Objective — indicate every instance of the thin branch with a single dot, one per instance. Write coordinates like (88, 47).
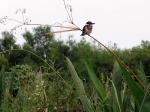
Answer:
(60, 26)
(62, 31)
(31, 24)
(11, 19)
(16, 27)
(71, 13)
(70, 17)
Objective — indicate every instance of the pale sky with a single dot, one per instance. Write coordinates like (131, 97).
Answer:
(125, 22)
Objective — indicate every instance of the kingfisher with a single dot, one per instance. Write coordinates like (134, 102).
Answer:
(87, 29)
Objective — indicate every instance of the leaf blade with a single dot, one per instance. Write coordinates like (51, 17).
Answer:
(80, 88)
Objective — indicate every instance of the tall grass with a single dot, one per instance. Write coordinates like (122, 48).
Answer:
(123, 94)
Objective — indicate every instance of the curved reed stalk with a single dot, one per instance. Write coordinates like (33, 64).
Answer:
(13, 50)
(120, 61)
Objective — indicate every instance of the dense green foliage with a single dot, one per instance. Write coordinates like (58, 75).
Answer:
(36, 77)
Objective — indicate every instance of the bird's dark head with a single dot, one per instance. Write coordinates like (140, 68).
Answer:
(90, 23)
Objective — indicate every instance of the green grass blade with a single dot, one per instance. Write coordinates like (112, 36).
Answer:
(137, 92)
(97, 84)
(79, 87)
(117, 79)
(126, 99)
(141, 74)
(118, 106)
(126, 103)
(146, 101)
(101, 92)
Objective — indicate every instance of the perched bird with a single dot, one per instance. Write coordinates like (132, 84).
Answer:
(87, 29)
